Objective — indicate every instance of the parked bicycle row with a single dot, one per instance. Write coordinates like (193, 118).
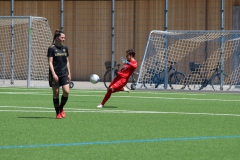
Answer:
(199, 77)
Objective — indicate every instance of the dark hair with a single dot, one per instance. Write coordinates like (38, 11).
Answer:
(57, 34)
(131, 52)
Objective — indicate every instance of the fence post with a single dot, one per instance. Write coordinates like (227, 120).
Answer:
(61, 14)
(12, 43)
(112, 39)
(221, 45)
(166, 45)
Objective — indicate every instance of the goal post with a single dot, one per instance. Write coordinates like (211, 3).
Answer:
(2, 68)
(24, 43)
(205, 60)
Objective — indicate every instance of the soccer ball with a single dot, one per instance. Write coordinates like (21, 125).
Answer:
(94, 79)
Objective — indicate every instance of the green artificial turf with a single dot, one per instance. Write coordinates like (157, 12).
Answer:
(139, 125)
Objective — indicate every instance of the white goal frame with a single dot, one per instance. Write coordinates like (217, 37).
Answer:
(34, 45)
(181, 47)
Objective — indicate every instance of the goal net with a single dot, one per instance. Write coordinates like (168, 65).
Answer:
(23, 52)
(193, 60)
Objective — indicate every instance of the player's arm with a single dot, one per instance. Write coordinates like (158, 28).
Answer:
(69, 72)
(133, 64)
(50, 62)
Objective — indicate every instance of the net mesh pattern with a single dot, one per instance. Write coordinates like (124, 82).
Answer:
(14, 48)
(209, 58)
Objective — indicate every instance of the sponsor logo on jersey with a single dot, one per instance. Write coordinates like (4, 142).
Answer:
(60, 54)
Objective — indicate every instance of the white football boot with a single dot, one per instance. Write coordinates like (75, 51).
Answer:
(100, 106)
(125, 89)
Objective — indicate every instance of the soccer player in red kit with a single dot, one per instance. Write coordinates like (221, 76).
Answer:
(118, 83)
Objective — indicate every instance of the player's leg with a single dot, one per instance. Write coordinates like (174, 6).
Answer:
(65, 87)
(110, 90)
(55, 90)
(116, 85)
(124, 89)
(106, 97)
(120, 86)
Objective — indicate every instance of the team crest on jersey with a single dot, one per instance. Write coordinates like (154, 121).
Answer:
(64, 50)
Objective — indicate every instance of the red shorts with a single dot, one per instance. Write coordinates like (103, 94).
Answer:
(118, 83)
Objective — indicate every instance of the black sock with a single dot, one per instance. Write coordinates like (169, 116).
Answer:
(56, 104)
(63, 101)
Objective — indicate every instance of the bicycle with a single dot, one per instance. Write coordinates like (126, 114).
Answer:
(108, 76)
(155, 77)
(199, 80)
(133, 81)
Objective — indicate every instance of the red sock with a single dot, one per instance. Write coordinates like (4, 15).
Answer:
(107, 96)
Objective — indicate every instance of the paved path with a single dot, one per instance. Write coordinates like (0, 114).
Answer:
(100, 86)
(88, 85)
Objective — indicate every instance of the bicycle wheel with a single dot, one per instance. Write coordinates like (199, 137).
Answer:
(108, 77)
(216, 82)
(159, 81)
(148, 81)
(177, 80)
(132, 81)
(194, 82)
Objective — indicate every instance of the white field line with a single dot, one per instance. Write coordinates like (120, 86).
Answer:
(137, 97)
(73, 110)
(193, 99)
(72, 93)
(162, 98)
(99, 91)
(38, 93)
(138, 92)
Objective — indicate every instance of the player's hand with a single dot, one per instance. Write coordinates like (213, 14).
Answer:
(55, 77)
(124, 60)
(69, 78)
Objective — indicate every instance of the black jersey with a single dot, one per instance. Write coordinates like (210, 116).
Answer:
(59, 59)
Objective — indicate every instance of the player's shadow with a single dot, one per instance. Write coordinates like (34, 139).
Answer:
(37, 117)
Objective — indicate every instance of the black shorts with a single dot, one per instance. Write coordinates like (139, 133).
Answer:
(61, 81)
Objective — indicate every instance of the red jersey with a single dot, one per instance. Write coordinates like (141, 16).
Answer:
(128, 69)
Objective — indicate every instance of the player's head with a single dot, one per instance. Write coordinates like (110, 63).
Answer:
(131, 53)
(59, 37)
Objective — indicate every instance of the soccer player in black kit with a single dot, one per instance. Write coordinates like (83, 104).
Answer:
(59, 72)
